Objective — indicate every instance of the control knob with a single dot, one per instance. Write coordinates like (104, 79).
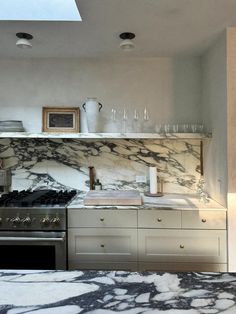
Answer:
(0, 220)
(27, 221)
(45, 221)
(16, 221)
(55, 221)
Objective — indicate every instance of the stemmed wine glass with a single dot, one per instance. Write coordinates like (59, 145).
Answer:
(113, 118)
(136, 118)
(124, 118)
(145, 116)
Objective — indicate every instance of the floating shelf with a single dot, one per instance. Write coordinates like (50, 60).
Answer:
(106, 135)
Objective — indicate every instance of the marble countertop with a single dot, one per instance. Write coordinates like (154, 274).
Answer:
(107, 292)
(173, 201)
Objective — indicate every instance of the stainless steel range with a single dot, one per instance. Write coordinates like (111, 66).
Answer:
(33, 229)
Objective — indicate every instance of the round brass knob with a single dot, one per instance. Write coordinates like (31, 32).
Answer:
(181, 246)
(102, 245)
(0, 220)
(159, 219)
(101, 219)
(203, 220)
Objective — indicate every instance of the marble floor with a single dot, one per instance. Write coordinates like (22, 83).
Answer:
(105, 292)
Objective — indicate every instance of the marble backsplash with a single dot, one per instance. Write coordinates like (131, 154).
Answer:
(63, 163)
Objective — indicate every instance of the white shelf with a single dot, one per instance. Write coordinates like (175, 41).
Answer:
(105, 135)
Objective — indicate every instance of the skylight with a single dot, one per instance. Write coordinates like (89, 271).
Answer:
(39, 10)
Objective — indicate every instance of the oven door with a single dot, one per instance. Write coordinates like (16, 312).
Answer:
(32, 250)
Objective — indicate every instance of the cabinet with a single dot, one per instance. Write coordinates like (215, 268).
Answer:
(196, 240)
(102, 239)
(152, 239)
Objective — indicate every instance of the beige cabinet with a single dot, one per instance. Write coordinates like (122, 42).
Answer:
(102, 218)
(199, 244)
(152, 239)
(203, 219)
(203, 246)
(154, 218)
(97, 244)
(102, 239)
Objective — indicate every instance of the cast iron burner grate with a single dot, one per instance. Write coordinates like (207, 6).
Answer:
(36, 198)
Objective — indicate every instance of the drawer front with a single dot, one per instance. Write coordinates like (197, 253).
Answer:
(203, 219)
(159, 218)
(96, 244)
(102, 218)
(207, 246)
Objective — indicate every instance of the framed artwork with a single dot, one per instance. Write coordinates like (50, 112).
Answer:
(61, 119)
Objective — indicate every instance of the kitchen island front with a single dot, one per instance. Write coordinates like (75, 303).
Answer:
(72, 292)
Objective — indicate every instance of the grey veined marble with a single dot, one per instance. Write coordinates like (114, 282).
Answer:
(63, 163)
(102, 292)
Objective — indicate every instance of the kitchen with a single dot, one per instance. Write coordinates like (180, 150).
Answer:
(184, 81)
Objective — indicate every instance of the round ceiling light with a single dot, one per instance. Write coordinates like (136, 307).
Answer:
(23, 40)
(127, 43)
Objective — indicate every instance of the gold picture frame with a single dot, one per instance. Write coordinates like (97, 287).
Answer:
(61, 119)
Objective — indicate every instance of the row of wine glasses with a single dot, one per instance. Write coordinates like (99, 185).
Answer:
(139, 120)
(136, 117)
(179, 128)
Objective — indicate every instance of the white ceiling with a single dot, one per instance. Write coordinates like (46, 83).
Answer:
(162, 28)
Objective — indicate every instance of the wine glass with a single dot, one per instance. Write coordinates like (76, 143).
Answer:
(136, 118)
(167, 128)
(113, 118)
(145, 116)
(124, 118)
(175, 128)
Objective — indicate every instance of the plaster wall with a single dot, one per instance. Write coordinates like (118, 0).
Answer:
(214, 117)
(169, 88)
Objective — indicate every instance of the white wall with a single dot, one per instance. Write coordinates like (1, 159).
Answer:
(170, 88)
(214, 115)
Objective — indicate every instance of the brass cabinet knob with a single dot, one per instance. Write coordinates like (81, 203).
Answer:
(159, 219)
(101, 219)
(203, 220)
(102, 245)
(181, 246)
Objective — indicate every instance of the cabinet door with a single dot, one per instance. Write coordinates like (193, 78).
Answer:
(203, 219)
(102, 218)
(207, 246)
(155, 218)
(97, 244)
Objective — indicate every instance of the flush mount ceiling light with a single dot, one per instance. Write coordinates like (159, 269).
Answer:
(23, 40)
(127, 43)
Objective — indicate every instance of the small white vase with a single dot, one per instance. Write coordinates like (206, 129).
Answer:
(92, 108)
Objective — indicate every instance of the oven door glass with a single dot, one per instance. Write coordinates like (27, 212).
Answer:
(33, 250)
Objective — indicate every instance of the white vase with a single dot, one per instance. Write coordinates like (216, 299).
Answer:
(92, 108)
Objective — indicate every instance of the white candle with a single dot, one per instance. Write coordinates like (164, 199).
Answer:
(153, 179)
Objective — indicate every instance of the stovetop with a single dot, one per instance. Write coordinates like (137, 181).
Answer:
(38, 198)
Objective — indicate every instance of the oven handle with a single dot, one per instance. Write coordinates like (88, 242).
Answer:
(20, 239)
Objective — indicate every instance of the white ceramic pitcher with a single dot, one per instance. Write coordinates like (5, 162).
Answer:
(92, 108)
